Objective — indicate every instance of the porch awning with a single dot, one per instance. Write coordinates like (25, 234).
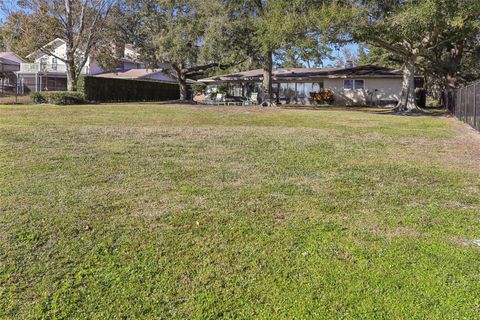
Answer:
(8, 65)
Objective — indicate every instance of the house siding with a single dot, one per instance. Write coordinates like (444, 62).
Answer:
(59, 52)
(388, 89)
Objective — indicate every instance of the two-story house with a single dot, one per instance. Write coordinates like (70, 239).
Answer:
(48, 73)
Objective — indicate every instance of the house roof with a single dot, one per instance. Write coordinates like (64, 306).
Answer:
(9, 62)
(12, 57)
(308, 73)
(149, 74)
(52, 45)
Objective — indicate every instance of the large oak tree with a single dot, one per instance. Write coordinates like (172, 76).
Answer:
(193, 36)
(287, 31)
(411, 30)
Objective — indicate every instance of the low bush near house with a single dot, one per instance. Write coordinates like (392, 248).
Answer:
(199, 88)
(58, 97)
(219, 90)
(322, 97)
(37, 97)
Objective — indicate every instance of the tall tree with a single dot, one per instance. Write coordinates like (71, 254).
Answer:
(284, 31)
(376, 55)
(411, 29)
(455, 61)
(193, 36)
(78, 22)
(10, 24)
(446, 67)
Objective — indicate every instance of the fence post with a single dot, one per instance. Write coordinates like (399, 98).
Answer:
(458, 100)
(462, 94)
(460, 113)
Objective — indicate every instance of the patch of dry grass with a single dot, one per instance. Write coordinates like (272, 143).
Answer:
(12, 99)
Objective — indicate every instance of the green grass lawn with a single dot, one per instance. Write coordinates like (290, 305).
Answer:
(181, 212)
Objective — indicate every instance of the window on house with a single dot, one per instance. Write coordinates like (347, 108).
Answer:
(287, 90)
(354, 84)
(308, 88)
(359, 84)
(54, 63)
(348, 84)
(300, 90)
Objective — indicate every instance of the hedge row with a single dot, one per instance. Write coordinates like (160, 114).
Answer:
(98, 89)
(58, 97)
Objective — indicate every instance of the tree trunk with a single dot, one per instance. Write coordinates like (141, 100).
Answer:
(407, 101)
(71, 77)
(182, 84)
(267, 96)
(448, 96)
(182, 81)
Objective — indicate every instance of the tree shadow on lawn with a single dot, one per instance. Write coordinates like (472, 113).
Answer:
(373, 110)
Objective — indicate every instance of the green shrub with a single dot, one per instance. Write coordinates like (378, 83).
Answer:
(58, 97)
(37, 97)
(125, 90)
(218, 90)
(199, 88)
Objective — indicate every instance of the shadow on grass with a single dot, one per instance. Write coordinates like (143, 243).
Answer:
(422, 113)
(437, 112)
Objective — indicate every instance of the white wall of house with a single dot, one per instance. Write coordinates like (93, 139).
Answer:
(59, 51)
(373, 91)
(91, 66)
(387, 89)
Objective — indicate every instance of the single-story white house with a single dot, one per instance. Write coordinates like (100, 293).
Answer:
(351, 85)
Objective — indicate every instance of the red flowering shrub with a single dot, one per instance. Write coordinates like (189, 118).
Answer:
(322, 97)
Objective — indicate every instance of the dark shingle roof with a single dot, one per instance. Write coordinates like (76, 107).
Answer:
(307, 73)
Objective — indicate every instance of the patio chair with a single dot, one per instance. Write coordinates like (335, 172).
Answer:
(252, 101)
(208, 101)
(220, 99)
